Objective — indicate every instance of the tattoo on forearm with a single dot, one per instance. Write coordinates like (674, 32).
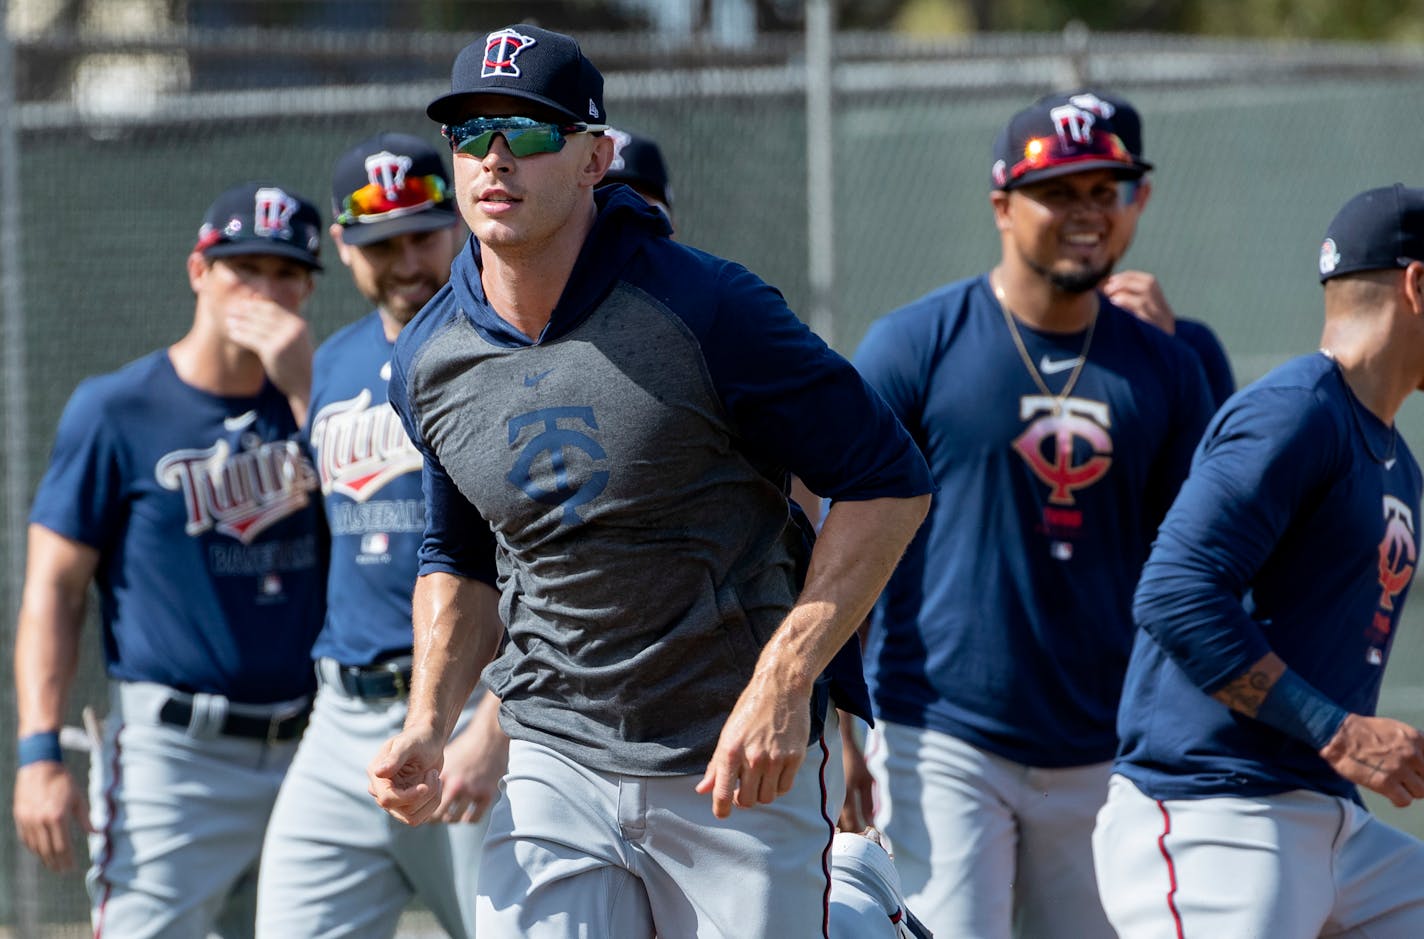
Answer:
(1246, 693)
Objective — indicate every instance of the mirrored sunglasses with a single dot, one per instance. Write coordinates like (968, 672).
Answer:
(374, 200)
(523, 135)
(1043, 152)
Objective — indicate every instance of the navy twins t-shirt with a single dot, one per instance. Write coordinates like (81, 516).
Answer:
(202, 510)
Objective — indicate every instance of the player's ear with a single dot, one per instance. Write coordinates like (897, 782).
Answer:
(600, 157)
(1144, 192)
(342, 249)
(1413, 286)
(999, 200)
(198, 268)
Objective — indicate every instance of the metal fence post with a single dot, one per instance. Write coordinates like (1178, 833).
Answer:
(24, 885)
(820, 167)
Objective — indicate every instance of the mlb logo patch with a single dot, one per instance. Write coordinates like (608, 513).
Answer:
(501, 50)
(271, 585)
(375, 542)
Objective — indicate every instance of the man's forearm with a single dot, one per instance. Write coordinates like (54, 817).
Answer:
(859, 546)
(456, 633)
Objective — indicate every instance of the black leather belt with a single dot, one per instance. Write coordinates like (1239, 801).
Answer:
(179, 713)
(384, 681)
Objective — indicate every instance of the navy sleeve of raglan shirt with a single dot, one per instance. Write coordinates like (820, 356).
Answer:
(800, 404)
(457, 538)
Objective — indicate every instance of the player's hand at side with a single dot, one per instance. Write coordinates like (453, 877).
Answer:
(278, 337)
(48, 806)
(1139, 293)
(404, 776)
(858, 813)
(1382, 754)
(760, 749)
(475, 762)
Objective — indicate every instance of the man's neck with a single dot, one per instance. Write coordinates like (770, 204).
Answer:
(524, 284)
(1378, 372)
(1034, 301)
(210, 363)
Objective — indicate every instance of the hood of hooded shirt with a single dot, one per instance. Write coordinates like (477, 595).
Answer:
(624, 223)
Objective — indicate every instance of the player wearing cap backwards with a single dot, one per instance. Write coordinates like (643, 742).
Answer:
(1058, 428)
(595, 402)
(177, 484)
(1268, 608)
(333, 864)
(1139, 292)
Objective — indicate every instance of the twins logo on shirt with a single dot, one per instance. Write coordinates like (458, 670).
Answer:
(1398, 553)
(361, 447)
(239, 494)
(552, 439)
(1047, 444)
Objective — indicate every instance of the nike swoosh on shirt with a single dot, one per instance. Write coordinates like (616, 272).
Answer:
(531, 380)
(240, 421)
(1053, 366)
(1389, 464)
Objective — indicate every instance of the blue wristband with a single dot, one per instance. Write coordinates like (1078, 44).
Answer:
(40, 748)
(1293, 707)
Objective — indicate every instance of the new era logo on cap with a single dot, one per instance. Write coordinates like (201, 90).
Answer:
(501, 49)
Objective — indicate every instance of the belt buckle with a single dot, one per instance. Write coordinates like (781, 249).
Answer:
(402, 688)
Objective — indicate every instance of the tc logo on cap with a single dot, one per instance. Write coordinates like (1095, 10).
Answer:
(272, 215)
(501, 49)
(387, 170)
(1073, 123)
(1329, 257)
(1091, 102)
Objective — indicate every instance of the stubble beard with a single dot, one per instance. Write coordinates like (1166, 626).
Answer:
(1075, 282)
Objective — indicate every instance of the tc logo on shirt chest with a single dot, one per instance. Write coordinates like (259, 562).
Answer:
(550, 481)
(1048, 444)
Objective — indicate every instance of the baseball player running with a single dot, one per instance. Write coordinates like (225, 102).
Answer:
(596, 402)
(334, 864)
(1268, 608)
(177, 484)
(1058, 428)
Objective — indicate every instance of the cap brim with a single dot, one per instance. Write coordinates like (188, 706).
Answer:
(1123, 170)
(232, 249)
(432, 219)
(449, 109)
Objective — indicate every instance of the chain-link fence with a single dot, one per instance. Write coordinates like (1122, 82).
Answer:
(113, 141)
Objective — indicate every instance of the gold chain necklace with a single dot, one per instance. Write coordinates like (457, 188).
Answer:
(1033, 371)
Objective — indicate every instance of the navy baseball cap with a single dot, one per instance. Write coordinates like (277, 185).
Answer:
(1378, 229)
(528, 63)
(261, 218)
(638, 162)
(1044, 141)
(388, 185)
(1118, 112)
